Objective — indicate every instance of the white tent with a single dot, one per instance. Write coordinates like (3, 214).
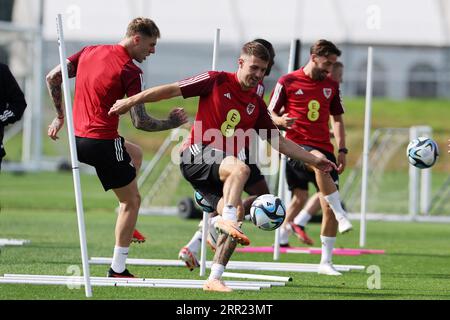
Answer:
(406, 22)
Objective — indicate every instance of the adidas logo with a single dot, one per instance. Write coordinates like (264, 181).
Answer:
(299, 92)
(228, 95)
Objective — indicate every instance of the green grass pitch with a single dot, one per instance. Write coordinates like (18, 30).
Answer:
(415, 265)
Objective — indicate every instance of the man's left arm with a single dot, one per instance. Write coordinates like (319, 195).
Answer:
(143, 121)
(339, 134)
(133, 82)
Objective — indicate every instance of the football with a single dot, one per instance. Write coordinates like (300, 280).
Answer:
(422, 152)
(267, 212)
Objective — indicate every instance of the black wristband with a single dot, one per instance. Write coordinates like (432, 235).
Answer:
(343, 150)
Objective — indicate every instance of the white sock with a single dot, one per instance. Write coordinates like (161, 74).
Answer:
(327, 248)
(194, 244)
(284, 235)
(302, 218)
(216, 271)
(119, 259)
(213, 220)
(334, 201)
(229, 213)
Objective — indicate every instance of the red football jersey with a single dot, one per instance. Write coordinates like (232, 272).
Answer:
(312, 102)
(225, 112)
(104, 74)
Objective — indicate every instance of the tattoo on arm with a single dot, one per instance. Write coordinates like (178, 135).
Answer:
(54, 81)
(224, 250)
(141, 120)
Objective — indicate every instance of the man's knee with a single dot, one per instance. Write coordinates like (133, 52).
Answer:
(242, 170)
(132, 203)
(239, 170)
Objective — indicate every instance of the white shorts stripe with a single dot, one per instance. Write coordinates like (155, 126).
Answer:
(241, 155)
(119, 149)
(7, 114)
(115, 148)
(196, 148)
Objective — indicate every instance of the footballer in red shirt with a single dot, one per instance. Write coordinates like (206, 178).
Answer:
(256, 185)
(302, 102)
(104, 74)
(213, 159)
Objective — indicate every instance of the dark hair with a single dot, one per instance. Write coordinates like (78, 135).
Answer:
(256, 49)
(143, 26)
(324, 48)
(269, 48)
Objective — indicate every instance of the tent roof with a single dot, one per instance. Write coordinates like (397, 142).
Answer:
(408, 22)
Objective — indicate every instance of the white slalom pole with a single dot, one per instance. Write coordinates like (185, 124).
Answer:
(74, 157)
(282, 172)
(216, 49)
(205, 225)
(414, 177)
(365, 166)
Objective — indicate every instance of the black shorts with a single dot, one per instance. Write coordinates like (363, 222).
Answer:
(200, 166)
(109, 158)
(298, 176)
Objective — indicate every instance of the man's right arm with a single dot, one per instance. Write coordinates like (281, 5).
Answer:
(54, 81)
(277, 103)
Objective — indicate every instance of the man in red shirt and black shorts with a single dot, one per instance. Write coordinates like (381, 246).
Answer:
(255, 186)
(302, 102)
(214, 159)
(104, 74)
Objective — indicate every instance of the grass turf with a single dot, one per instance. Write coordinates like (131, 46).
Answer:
(40, 207)
(415, 265)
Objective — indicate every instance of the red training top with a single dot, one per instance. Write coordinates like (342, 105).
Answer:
(104, 74)
(312, 102)
(225, 113)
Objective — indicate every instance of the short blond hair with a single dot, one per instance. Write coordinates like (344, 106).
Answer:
(256, 49)
(143, 26)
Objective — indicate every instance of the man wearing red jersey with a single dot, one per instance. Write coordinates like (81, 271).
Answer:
(104, 74)
(255, 186)
(215, 158)
(311, 207)
(309, 97)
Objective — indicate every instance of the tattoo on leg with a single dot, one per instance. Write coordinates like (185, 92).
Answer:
(224, 250)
